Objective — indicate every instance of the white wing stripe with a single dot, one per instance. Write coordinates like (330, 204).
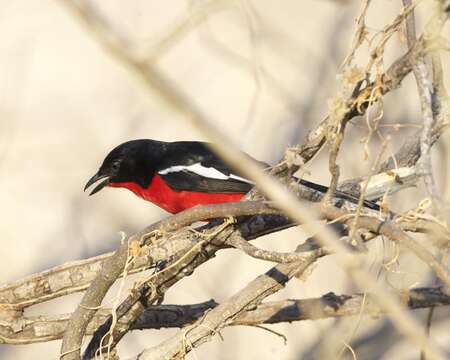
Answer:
(198, 169)
(232, 176)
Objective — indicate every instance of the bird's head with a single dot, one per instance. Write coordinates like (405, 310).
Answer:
(131, 161)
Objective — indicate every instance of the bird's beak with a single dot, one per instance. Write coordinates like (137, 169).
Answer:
(99, 186)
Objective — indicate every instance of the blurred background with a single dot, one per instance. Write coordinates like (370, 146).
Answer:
(264, 71)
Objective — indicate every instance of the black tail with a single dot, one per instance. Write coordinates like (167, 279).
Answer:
(340, 194)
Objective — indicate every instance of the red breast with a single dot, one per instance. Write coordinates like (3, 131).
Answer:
(175, 201)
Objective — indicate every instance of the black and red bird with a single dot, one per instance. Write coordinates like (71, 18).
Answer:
(177, 175)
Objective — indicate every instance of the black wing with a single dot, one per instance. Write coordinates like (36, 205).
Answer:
(192, 166)
(189, 181)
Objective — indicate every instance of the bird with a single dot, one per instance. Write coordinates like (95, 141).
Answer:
(179, 175)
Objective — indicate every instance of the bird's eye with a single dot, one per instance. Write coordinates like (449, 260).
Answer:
(115, 166)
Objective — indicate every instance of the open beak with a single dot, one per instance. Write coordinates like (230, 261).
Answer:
(99, 186)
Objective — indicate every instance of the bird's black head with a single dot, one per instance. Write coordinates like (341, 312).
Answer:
(132, 161)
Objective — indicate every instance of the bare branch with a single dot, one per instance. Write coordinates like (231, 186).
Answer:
(425, 89)
(253, 251)
(391, 231)
(32, 329)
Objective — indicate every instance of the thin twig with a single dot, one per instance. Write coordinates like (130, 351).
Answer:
(253, 251)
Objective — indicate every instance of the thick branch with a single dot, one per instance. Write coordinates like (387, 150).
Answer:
(46, 328)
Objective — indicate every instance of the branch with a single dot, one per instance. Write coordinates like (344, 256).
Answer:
(391, 231)
(331, 305)
(409, 153)
(425, 89)
(36, 329)
(257, 253)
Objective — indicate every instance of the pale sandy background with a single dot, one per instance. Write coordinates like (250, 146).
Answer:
(64, 104)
